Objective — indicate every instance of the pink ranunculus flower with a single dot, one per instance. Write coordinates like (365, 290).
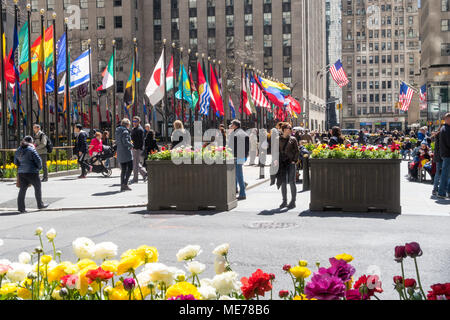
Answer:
(69, 281)
(4, 269)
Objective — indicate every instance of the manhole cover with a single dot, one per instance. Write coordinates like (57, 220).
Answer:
(271, 225)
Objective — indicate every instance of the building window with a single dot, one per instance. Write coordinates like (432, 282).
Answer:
(101, 44)
(101, 23)
(84, 4)
(118, 22)
(84, 23)
(100, 3)
(50, 5)
(117, 3)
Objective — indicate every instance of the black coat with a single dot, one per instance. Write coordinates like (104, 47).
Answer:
(444, 140)
(150, 142)
(81, 143)
(137, 136)
(236, 139)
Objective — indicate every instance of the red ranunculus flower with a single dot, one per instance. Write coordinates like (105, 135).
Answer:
(283, 294)
(398, 279)
(99, 275)
(410, 283)
(163, 149)
(439, 291)
(257, 284)
(287, 267)
(372, 283)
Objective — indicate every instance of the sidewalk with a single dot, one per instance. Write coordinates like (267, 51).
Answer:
(94, 192)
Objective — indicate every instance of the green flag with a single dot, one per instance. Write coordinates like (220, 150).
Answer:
(185, 87)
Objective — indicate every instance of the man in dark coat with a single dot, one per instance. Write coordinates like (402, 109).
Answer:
(138, 138)
(81, 150)
(239, 143)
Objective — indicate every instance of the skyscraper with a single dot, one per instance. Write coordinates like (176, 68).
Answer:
(380, 50)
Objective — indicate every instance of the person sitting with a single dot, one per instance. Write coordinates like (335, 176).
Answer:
(96, 147)
(337, 138)
(423, 153)
(406, 148)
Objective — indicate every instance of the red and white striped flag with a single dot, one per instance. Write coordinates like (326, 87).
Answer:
(257, 95)
(338, 74)
(405, 97)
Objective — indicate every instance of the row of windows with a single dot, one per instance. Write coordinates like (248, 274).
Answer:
(83, 4)
(84, 24)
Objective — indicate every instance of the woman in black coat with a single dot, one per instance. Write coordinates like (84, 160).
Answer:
(336, 137)
(150, 144)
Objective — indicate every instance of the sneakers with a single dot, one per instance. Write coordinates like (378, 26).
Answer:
(44, 206)
(45, 180)
(441, 197)
(435, 193)
(283, 205)
(291, 206)
(125, 188)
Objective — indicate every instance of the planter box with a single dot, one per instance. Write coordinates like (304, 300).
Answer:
(355, 185)
(191, 187)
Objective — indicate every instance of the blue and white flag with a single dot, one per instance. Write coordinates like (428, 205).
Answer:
(79, 72)
(61, 55)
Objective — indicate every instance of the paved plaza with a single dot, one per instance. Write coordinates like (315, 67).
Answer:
(260, 235)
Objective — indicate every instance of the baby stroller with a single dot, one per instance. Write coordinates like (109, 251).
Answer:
(98, 161)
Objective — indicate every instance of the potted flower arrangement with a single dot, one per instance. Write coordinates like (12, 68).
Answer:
(356, 178)
(192, 179)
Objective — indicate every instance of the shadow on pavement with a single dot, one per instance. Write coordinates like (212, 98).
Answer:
(177, 213)
(105, 194)
(335, 214)
(272, 212)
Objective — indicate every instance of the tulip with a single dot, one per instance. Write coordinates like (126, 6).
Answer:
(413, 250)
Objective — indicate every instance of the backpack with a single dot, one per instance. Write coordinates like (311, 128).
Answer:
(49, 144)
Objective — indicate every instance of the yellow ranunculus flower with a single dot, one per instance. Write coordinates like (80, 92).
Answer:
(303, 263)
(129, 253)
(24, 293)
(346, 257)
(127, 263)
(46, 259)
(300, 272)
(182, 288)
(61, 270)
(118, 294)
(8, 288)
(147, 254)
(110, 265)
(145, 292)
(84, 281)
(82, 264)
(302, 297)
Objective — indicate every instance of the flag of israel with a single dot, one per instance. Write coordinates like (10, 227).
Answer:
(79, 72)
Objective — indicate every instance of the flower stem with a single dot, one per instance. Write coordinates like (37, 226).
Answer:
(418, 279)
(137, 281)
(403, 275)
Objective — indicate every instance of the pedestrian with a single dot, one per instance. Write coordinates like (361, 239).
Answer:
(437, 160)
(223, 134)
(179, 135)
(124, 153)
(253, 146)
(239, 143)
(289, 155)
(106, 142)
(444, 146)
(138, 136)
(336, 137)
(305, 136)
(96, 147)
(40, 142)
(81, 150)
(150, 145)
(362, 140)
(28, 164)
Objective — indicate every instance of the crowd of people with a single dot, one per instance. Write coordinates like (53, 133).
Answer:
(429, 151)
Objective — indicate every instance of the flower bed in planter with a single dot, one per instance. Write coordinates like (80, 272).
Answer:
(10, 170)
(190, 187)
(139, 275)
(355, 179)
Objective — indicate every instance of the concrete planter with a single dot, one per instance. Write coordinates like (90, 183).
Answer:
(355, 185)
(191, 187)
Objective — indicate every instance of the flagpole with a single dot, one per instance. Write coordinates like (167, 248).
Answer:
(30, 82)
(241, 111)
(166, 102)
(215, 120)
(205, 119)
(182, 86)
(196, 64)
(16, 82)
(55, 82)
(4, 114)
(208, 72)
(191, 127)
(67, 85)
(113, 116)
(136, 98)
(91, 107)
(174, 81)
(46, 125)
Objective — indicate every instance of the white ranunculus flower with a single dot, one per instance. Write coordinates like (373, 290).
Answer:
(143, 278)
(39, 231)
(220, 264)
(188, 253)
(18, 272)
(178, 274)
(226, 283)
(105, 250)
(207, 292)
(25, 258)
(159, 272)
(84, 248)
(195, 267)
(222, 250)
(51, 234)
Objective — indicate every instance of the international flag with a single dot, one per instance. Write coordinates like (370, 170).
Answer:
(61, 55)
(338, 74)
(130, 89)
(23, 51)
(156, 87)
(232, 108)
(48, 47)
(169, 76)
(204, 92)
(184, 87)
(258, 96)
(423, 97)
(273, 91)
(405, 97)
(108, 75)
(195, 97)
(245, 107)
(79, 72)
(216, 93)
(294, 105)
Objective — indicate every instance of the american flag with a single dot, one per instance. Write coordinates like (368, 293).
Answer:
(405, 97)
(338, 74)
(257, 95)
(423, 97)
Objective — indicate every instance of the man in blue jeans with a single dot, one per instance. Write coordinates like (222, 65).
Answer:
(240, 145)
(444, 139)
